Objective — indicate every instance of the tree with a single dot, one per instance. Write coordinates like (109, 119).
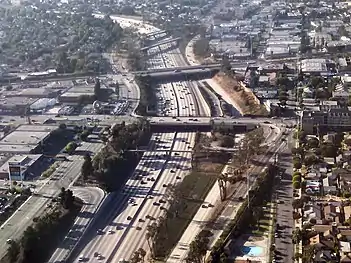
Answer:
(329, 150)
(97, 89)
(84, 135)
(225, 64)
(227, 141)
(136, 257)
(308, 253)
(87, 167)
(296, 185)
(13, 251)
(150, 236)
(198, 248)
(311, 159)
(142, 253)
(313, 142)
(70, 147)
(222, 183)
(297, 163)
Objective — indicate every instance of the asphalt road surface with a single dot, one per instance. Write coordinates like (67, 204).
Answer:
(35, 205)
(284, 192)
(92, 198)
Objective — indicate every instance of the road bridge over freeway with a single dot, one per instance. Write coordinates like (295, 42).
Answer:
(160, 43)
(204, 124)
(155, 33)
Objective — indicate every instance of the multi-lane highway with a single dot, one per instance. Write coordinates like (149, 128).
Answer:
(122, 231)
(92, 198)
(67, 172)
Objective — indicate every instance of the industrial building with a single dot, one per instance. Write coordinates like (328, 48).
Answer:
(25, 139)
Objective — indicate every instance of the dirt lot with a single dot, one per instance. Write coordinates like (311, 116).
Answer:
(243, 96)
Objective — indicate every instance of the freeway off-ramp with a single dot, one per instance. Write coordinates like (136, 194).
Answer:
(92, 198)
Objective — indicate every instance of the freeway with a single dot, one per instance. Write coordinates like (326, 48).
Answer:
(92, 197)
(67, 172)
(141, 198)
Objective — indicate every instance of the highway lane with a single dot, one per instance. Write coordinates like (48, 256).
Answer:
(171, 175)
(135, 237)
(67, 172)
(123, 224)
(149, 169)
(92, 198)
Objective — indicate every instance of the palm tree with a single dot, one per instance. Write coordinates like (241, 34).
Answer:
(222, 183)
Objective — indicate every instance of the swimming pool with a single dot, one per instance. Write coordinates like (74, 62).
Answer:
(252, 251)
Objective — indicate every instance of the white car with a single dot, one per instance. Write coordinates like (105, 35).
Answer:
(81, 258)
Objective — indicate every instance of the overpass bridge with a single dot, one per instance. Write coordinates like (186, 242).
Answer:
(155, 33)
(203, 124)
(160, 43)
(179, 69)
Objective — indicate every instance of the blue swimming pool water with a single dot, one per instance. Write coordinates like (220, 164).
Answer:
(252, 251)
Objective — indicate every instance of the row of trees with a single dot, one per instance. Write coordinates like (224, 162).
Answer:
(39, 238)
(248, 214)
(115, 156)
(248, 149)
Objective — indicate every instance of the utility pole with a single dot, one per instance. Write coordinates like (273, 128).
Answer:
(248, 190)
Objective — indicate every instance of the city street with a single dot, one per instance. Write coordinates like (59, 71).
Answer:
(284, 192)
(68, 172)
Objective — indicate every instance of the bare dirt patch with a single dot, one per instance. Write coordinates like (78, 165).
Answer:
(245, 99)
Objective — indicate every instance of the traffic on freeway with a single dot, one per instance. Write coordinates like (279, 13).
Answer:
(143, 196)
(92, 198)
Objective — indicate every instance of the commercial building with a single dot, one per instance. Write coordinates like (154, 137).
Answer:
(21, 167)
(317, 66)
(74, 94)
(326, 118)
(26, 139)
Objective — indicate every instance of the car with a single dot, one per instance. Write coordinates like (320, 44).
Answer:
(110, 232)
(9, 241)
(129, 218)
(276, 235)
(100, 257)
(96, 254)
(81, 258)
